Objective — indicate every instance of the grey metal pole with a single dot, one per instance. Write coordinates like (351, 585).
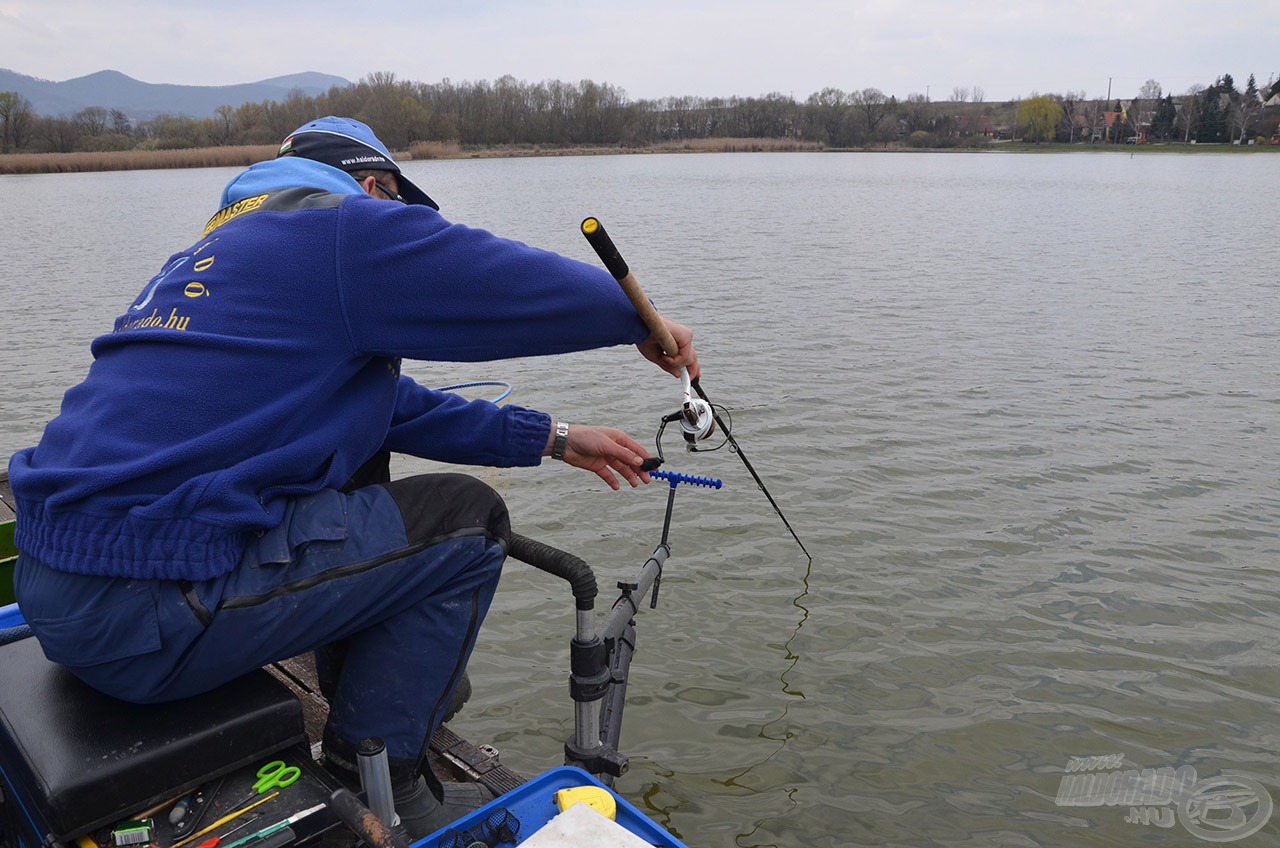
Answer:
(621, 613)
(375, 777)
(587, 728)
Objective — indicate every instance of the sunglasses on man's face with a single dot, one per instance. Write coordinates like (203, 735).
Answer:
(388, 192)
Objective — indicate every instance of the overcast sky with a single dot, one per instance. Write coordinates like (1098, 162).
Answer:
(661, 47)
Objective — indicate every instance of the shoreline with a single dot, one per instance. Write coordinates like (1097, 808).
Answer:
(223, 157)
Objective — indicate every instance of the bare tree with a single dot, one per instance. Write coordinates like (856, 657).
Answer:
(60, 134)
(1096, 118)
(16, 121)
(829, 107)
(1242, 115)
(771, 116)
(120, 123)
(1244, 110)
(679, 116)
(959, 94)
(1143, 107)
(222, 126)
(978, 94)
(92, 121)
(872, 106)
(916, 113)
(1189, 111)
(251, 124)
(1070, 103)
(1151, 90)
(381, 110)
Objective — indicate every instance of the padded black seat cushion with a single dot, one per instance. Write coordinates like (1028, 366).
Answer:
(79, 759)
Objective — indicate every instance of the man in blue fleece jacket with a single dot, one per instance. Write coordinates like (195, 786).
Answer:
(185, 520)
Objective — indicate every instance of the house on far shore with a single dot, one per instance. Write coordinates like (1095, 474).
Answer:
(1115, 123)
(1267, 125)
(1086, 130)
(966, 126)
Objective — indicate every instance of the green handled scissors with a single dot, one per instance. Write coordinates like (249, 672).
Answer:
(275, 775)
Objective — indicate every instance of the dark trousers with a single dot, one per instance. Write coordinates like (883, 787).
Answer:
(392, 579)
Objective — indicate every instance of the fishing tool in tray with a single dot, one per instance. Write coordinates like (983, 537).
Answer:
(276, 834)
(189, 812)
(700, 420)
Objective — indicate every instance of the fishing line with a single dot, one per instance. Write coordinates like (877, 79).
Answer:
(736, 448)
(793, 656)
(476, 383)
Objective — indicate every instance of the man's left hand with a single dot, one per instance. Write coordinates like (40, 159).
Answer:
(604, 450)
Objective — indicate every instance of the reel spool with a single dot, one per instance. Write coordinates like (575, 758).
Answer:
(697, 420)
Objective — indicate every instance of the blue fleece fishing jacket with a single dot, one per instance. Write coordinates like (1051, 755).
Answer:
(263, 363)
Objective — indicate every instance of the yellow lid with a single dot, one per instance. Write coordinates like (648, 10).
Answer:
(600, 800)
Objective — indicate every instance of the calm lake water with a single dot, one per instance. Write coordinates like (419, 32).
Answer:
(1023, 410)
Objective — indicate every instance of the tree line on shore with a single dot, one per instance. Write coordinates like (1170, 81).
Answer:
(1211, 114)
(512, 112)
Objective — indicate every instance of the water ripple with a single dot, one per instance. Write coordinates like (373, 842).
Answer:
(1021, 409)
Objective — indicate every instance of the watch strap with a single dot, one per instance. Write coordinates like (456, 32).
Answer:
(561, 442)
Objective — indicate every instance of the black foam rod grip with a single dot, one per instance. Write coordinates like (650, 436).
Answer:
(599, 239)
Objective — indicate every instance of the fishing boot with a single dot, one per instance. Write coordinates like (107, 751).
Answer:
(461, 694)
(422, 813)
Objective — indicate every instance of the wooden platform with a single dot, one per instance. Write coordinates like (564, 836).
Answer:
(7, 505)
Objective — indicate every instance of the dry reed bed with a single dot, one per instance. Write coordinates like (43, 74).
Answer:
(741, 145)
(435, 150)
(134, 160)
(452, 150)
(231, 157)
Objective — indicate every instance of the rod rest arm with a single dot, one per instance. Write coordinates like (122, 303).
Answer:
(560, 564)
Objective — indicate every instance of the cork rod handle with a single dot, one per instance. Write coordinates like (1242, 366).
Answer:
(617, 266)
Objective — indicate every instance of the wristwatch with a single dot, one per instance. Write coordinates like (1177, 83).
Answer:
(561, 442)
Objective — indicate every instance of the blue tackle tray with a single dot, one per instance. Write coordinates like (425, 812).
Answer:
(534, 804)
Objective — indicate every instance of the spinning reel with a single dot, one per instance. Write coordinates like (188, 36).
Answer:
(698, 420)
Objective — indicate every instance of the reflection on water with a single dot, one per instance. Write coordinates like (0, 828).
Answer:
(1021, 409)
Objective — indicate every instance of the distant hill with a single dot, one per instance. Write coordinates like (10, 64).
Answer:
(142, 100)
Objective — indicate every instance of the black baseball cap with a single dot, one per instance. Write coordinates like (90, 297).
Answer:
(348, 145)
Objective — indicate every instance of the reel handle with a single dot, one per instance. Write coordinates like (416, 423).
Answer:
(599, 239)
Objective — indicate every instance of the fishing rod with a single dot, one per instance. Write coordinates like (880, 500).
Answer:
(698, 416)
